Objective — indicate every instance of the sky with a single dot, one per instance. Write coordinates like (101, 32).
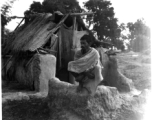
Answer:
(125, 10)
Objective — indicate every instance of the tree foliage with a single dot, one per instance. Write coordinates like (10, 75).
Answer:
(139, 35)
(105, 24)
(49, 6)
(64, 6)
(5, 9)
(36, 7)
(103, 21)
(5, 19)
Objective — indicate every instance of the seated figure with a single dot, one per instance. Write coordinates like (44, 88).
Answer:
(86, 67)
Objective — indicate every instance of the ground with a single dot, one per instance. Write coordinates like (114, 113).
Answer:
(137, 67)
(133, 65)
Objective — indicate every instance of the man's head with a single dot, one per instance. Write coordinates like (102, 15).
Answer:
(85, 42)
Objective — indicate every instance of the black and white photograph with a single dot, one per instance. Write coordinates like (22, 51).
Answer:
(76, 59)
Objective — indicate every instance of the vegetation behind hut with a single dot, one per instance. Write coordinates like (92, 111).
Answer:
(139, 35)
(107, 30)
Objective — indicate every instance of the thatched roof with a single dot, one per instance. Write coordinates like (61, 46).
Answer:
(34, 35)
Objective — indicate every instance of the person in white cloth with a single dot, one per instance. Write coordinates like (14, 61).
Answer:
(86, 67)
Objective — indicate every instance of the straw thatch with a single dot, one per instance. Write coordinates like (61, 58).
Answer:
(38, 31)
(34, 35)
(29, 38)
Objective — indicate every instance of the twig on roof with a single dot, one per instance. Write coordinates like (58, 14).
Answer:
(29, 61)
(37, 51)
(7, 62)
(31, 58)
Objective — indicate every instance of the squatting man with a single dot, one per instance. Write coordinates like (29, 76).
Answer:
(86, 67)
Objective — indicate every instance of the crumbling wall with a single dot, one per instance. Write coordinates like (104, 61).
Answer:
(111, 74)
(48, 68)
(36, 73)
(107, 103)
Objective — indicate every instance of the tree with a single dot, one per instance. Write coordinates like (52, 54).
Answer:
(49, 6)
(5, 19)
(105, 24)
(36, 7)
(103, 21)
(64, 6)
(139, 35)
(5, 10)
(123, 36)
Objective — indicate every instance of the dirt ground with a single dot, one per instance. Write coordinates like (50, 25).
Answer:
(133, 65)
(137, 67)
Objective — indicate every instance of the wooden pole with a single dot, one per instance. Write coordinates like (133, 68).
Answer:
(14, 17)
(72, 53)
(75, 14)
(74, 28)
(7, 62)
(19, 24)
(86, 13)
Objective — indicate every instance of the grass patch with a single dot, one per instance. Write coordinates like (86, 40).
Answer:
(137, 68)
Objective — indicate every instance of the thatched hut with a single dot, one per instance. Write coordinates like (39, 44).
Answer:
(43, 36)
(51, 34)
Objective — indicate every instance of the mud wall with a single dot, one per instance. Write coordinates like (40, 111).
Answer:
(35, 74)
(111, 74)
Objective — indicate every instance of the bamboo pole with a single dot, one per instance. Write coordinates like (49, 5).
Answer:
(19, 24)
(7, 62)
(73, 14)
(14, 17)
(87, 13)
(74, 28)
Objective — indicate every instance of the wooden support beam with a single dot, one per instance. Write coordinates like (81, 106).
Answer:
(87, 13)
(13, 17)
(73, 14)
(7, 62)
(19, 24)
(74, 28)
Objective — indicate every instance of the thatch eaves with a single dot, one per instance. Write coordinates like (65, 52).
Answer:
(34, 35)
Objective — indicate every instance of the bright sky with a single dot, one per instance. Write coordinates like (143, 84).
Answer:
(125, 10)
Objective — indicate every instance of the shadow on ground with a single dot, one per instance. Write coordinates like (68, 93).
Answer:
(32, 109)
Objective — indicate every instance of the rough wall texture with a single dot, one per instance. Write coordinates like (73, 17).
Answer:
(107, 103)
(48, 68)
(115, 78)
(111, 74)
(36, 74)
(24, 74)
